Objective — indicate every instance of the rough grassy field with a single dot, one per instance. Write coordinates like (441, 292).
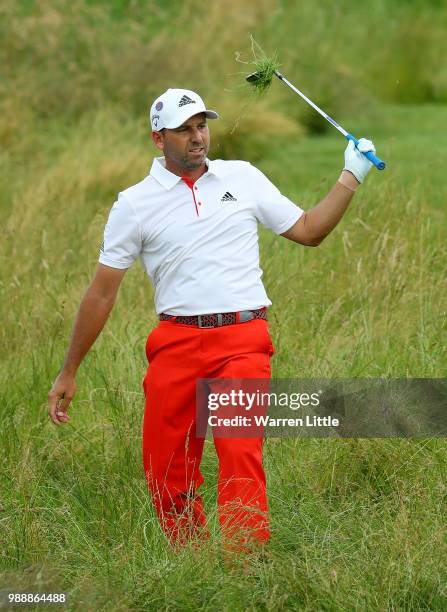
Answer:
(356, 524)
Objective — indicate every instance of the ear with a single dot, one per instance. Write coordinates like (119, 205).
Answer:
(157, 139)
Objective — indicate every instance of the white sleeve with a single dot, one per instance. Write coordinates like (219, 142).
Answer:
(273, 209)
(122, 236)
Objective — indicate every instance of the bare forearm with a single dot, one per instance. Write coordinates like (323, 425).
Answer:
(90, 320)
(92, 315)
(322, 218)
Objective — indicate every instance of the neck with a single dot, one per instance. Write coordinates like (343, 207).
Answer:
(193, 174)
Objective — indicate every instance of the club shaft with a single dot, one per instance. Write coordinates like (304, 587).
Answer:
(317, 108)
(378, 163)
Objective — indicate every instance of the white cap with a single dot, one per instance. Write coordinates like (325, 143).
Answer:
(175, 106)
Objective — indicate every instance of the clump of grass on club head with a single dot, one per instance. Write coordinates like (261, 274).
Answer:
(264, 68)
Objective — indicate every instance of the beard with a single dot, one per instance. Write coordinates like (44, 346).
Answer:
(187, 160)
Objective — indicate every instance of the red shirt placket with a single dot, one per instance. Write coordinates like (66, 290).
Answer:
(190, 184)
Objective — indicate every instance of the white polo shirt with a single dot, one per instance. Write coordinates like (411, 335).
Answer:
(198, 243)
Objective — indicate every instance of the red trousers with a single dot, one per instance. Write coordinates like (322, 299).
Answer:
(178, 355)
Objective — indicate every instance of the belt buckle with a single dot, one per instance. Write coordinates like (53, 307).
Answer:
(199, 319)
(246, 315)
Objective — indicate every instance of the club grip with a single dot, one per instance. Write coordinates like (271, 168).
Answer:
(379, 164)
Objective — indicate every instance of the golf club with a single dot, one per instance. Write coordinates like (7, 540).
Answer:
(256, 76)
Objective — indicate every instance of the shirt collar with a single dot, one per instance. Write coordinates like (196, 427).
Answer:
(168, 179)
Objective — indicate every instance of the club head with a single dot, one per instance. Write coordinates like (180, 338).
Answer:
(253, 77)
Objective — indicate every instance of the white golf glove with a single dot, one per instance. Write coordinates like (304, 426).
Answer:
(357, 163)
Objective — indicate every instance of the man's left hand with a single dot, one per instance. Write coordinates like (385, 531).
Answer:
(355, 162)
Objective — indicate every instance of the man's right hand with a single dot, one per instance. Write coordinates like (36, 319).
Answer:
(59, 398)
(92, 314)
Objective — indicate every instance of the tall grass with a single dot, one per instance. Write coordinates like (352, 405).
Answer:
(356, 524)
(61, 60)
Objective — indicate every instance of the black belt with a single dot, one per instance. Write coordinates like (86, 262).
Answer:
(217, 320)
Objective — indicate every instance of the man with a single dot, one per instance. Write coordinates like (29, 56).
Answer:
(193, 224)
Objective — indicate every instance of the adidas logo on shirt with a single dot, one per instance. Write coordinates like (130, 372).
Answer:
(227, 197)
(186, 100)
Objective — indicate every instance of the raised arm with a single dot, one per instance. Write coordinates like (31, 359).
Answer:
(92, 315)
(315, 224)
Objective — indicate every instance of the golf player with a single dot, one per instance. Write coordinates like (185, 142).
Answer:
(193, 224)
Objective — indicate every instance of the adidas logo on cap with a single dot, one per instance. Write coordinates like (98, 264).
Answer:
(186, 100)
(227, 197)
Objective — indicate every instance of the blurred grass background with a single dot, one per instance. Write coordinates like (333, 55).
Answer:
(357, 524)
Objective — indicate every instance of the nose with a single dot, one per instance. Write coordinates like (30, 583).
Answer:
(196, 136)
